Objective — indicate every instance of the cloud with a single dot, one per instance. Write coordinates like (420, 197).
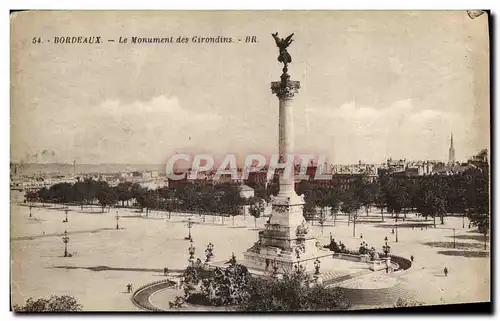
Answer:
(150, 131)
(352, 132)
(137, 132)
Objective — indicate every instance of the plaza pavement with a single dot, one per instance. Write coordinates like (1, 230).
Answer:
(139, 250)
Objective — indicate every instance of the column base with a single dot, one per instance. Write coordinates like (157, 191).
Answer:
(284, 241)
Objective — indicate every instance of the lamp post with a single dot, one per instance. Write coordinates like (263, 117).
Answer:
(453, 238)
(65, 241)
(189, 225)
(30, 206)
(191, 250)
(322, 219)
(363, 247)
(354, 223)
(117, 219)
(66, 213)
(386, 248)
(317, 265)
(396, 231)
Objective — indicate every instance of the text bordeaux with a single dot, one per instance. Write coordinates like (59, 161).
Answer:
(84, 40)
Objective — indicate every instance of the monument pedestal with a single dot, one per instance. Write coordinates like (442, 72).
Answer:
(283, 244)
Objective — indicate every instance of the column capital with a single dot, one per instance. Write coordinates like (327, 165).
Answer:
(285, 89)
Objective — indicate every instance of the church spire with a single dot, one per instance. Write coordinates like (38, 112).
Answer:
(451, 152)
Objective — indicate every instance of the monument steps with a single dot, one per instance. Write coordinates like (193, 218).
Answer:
(344, 277)
(379, 297)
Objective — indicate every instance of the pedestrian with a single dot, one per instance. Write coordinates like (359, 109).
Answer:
(392, 230)
(445, 271)
(412, 258)
(129, 288)
(387, 269)
(361, 235)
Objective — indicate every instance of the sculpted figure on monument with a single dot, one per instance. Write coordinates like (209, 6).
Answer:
(283, 43)
(302, 229)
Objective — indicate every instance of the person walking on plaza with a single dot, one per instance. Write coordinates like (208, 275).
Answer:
(445, 271)
(411, 257)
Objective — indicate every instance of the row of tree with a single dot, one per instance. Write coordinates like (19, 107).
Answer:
(219, 199)
(432, 196)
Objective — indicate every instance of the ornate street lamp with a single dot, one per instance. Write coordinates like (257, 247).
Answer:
(30, 206)
(396, 231)
(299, 268)
(453, 238)
(117, 219)
(386, 248)
(191, 250)
(189, 225)
(65, 239)
(364, 248)
(317, 265)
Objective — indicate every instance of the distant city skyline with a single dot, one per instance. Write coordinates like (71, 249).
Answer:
(374, 85)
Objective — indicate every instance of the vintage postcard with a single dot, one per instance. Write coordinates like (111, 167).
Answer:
(253, 161)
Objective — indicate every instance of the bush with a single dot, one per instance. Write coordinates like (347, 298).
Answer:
(216, 287)
(403, 303)
(234, 286)
(291, 293)
(55, 303)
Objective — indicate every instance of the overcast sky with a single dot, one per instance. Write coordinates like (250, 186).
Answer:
(374, 85)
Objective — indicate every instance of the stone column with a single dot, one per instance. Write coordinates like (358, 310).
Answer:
(287, 205)
(285, 90)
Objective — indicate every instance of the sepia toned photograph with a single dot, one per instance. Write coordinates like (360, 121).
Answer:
(249, 161)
